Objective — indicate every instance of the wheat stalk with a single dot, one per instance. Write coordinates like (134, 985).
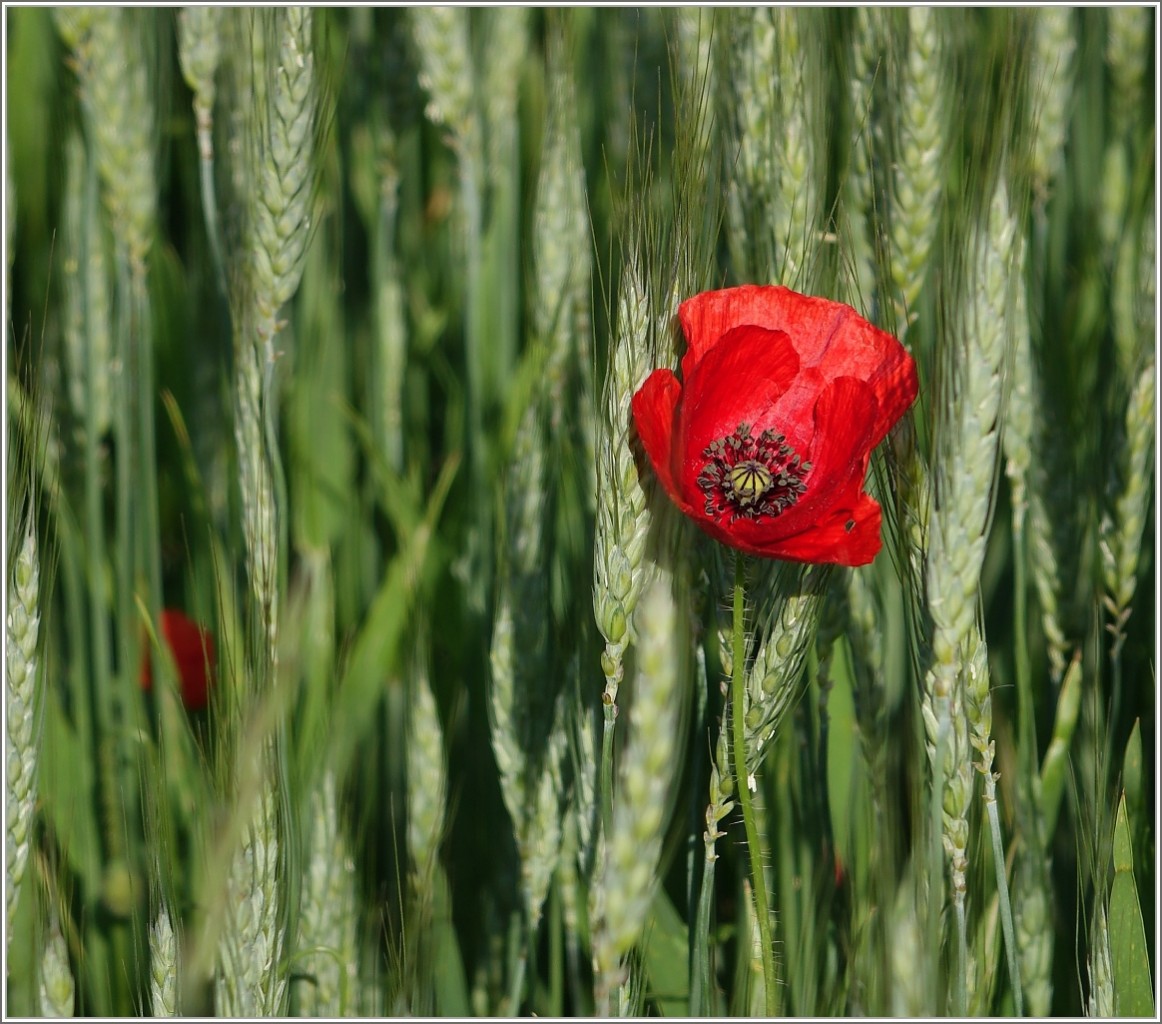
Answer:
(9, 227)
(541, 840)
(918, 178)
(426, 775)
(1047, 508)
(801, 146)
(117, 101)
(859, 180)
(906, 949)
(199, 49)
(621, 898)
(768, 65)
(749, 70)
(260, 521)
(57, 987)
(1125, 518)
(865, 634)
(278, 172)
(327, 917)
(446, 71)
(584, 760)
(390, 324)
(1050, 90)
(1033, 917)
(561, 248)
(163, 964)
(1128, 56)
(1018, 439)
(1102, 997)
(623, 518)
(283, 195)
(21, 717)
(87, 329)
(967, 453)
(775, 675)
(200, 40)
(251, 980)
(505, 46)
(528, 732)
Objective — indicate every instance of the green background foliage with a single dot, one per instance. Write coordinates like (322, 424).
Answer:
(323, 330)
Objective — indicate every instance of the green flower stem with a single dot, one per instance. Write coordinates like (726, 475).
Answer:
(700, 955)
(738, 721)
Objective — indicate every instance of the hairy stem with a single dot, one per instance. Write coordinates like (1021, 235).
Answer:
(738, 722)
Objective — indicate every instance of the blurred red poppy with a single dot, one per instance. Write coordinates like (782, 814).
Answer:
(765, 440)
(192, 648)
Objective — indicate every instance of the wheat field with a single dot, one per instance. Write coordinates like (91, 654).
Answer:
(323, 327)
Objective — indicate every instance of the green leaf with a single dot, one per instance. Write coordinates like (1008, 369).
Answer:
(1055, 768)
(322, 456)
(1133, 991)
(666, 951)
(377, 646)
(1136, 809)
(1132, 771)
(449, 980)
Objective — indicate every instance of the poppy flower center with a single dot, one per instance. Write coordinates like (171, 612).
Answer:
(749, 477)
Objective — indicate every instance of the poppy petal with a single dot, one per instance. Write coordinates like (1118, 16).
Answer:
(738, 381)
(708, 316)
(829, 335)
(839, 454)
(861, 350)
(654, 407)
(847, 537)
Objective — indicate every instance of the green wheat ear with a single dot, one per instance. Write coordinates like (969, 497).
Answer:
(251, 979)
(923, 109)
(21, 717)
(775, 676)
(1125, 518)
(164, 964)
(620, 900)
(88, 319)
(110, 51)
(445, 53)
(200, 39)
(58, 990)
(327, 947)
(426, 777)
(956, 707)
(623, 518)
(526, 718)
(1050, 90)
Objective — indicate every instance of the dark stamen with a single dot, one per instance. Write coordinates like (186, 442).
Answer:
(749, 477)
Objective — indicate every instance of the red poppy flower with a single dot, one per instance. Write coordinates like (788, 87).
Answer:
(192, 648)
(765, 440)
